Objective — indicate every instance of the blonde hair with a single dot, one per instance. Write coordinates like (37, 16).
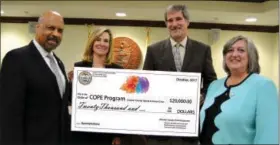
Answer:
(88, 54)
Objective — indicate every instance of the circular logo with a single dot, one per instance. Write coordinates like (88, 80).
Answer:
(126, 53)
(85, 78)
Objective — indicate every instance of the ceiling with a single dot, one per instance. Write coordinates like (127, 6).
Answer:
(225, 12)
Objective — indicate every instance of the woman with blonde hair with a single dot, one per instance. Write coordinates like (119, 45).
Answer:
(98, 51)
(97, 54)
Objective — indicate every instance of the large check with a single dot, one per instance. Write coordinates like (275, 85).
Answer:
(135, 102)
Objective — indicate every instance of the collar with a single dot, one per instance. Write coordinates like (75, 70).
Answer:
(183, 42)
(42, 51)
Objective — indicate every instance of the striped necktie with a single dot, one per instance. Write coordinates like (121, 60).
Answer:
(177, 57)
(55, 70)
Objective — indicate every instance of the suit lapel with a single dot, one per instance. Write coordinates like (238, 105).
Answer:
(168, 56)
(188, 55)
(41, 63)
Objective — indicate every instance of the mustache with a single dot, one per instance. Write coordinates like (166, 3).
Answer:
(53, 38)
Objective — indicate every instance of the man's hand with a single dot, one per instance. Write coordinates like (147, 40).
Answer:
(116, 141)
(70, 75)
(70, 109)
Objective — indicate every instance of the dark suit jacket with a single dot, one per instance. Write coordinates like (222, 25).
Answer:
(84, 138)
(197, 59)
(32, 111)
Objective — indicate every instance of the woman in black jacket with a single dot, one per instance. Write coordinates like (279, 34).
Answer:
(98, 54)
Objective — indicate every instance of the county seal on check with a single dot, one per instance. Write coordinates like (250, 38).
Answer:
(135, 102)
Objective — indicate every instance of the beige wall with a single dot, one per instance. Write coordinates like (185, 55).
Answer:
(275, 69)
(75, 37)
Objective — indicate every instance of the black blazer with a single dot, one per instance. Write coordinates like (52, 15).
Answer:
(84, 138)
(89, 64)
(32, 111)
(197, 58)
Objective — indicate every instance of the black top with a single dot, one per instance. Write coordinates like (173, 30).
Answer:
(89, 64)
(209, 127)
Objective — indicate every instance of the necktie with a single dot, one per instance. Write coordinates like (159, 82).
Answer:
(55, 70)
(177, 57)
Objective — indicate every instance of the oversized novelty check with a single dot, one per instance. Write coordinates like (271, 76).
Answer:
(135, 102)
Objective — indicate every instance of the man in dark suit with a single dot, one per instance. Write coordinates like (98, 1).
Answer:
(182, 54)
(34, 89)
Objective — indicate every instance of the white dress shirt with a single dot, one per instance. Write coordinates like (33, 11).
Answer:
(182, 47)
(44, 54)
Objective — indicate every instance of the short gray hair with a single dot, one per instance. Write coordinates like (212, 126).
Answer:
(177, 8)
(253, 55)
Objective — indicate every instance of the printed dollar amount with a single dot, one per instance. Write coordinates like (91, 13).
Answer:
(188, 101)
